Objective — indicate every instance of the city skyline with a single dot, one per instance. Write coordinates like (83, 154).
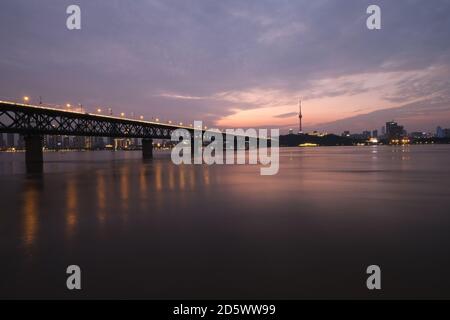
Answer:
(236, 65)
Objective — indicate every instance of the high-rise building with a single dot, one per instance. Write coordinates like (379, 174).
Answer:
(88, 143)
(52, 142)
(66, 142)
(59, 142)
(440, 132)
(122, 143)
(78, 142)
(393, 130)
(375, 134)
(98, 143)
(110, 142)
(10, 140)
(21, 142)
(291, 131)
(446, 133)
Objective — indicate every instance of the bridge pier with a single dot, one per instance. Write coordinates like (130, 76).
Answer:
(34, 159)
(147, 148)
(33, 149)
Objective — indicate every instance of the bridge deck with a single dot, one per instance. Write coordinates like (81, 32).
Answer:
(31, 119)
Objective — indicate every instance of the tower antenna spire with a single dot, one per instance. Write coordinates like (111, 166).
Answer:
(300, 116)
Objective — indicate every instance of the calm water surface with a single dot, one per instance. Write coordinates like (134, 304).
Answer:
(155, 230)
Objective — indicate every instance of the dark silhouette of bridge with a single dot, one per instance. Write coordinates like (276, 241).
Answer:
(33, 122)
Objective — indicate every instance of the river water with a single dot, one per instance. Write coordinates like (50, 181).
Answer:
(156, 230)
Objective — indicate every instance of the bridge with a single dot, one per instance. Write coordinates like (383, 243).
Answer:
(34, 121)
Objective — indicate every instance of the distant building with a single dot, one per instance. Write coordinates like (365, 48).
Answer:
(10, 140)
(21, 142)
(440, 132)
(122, 143)
(291, 131)
(366, 134)
(58, 142)
(110, 141)
(97, 143)
(66, 142)
(51, 142)
(394, 131)
(418, 135)
(446, 133)
(383, 131)
(345, 134)
(78, 142)
(375, 134)
(360, 136)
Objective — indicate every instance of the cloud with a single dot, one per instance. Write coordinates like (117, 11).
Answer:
(219, 60)
(281, 33)
(286, 115)
(179, 96)
(414, 116)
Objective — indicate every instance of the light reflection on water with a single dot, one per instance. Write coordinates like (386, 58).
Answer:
(163, 231)
(71, 200)
(30, 213)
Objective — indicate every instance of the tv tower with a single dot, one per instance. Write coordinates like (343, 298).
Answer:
(300, 116)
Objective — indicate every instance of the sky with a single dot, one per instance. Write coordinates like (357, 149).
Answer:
(235, 63)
